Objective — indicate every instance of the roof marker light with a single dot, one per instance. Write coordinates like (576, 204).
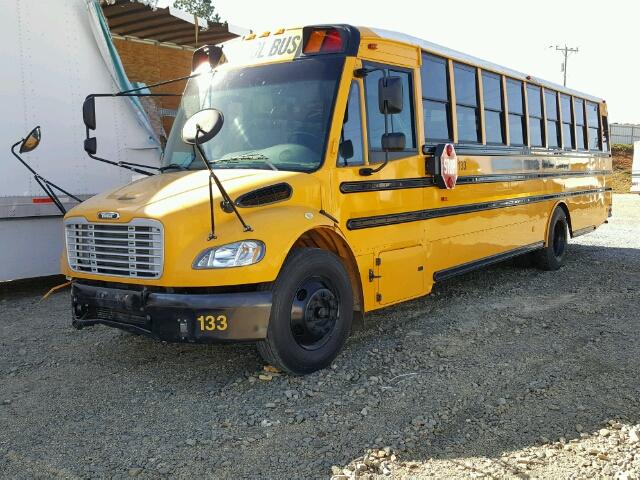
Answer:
(314, 44)
(324, 40)
(332, 41)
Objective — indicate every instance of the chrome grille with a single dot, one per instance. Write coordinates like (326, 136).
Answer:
(133, 249)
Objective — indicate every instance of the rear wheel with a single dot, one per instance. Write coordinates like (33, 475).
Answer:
(552, 256)
(311, 312)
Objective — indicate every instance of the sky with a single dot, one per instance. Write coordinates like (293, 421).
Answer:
(513, 34)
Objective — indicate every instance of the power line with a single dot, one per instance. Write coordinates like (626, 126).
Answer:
(566, 51)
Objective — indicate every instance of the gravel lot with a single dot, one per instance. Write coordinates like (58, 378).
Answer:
(506, 372)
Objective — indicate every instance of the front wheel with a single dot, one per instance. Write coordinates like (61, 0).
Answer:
(552, 256)
(311, 312)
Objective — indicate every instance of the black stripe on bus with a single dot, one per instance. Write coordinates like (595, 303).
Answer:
(484, 262)
(519, 177)
(417, 215)
(380, 185)
(501, 151)
(406, 183)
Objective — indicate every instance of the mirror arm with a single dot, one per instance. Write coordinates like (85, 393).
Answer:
(166, 82)
(51, 184)
(45, 184)
(129, 93)
(368, 171)
(49, 187)
(196, 146)
(126, 165)
(227, 198)
(50, 193)
(212, 234)
(223, 191)
(13, 150)
(364, 71)
(134, 92)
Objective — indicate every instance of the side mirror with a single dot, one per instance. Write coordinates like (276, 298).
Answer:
(393, 142)
(390, 98)
(31, 141)
(346, 149)
(209, 54)
(89, 112)
(91, 145)
(202, 126)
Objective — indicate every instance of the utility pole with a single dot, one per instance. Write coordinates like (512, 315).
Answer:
(566, 51)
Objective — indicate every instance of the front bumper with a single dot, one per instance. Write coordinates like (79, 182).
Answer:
(174, 317)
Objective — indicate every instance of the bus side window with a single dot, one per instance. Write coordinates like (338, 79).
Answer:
(568, 134)
(593, 121)
(605, 134)
(436, 99)
(581, 137)
(350, 150)
(402, 122)
(467, 108)
(536, 123)
(517, 120)
(493, 108)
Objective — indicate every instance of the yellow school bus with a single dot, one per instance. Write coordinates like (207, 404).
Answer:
(315, 174)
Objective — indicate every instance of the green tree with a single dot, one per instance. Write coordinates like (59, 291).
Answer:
(200, 8)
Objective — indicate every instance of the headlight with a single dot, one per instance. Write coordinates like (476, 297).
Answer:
(235, 254)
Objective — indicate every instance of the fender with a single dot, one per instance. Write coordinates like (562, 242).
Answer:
(564, 206)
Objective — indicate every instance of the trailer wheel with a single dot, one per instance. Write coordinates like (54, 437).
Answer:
(311, 313)
(552, 256)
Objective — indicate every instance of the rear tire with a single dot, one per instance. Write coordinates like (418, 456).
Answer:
(311, 313)
(553, 255)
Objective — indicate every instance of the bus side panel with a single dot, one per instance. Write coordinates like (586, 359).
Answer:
(465, 195)
(585, 210)
(447, 253)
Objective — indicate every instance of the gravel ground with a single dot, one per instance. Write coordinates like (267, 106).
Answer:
(506, 372)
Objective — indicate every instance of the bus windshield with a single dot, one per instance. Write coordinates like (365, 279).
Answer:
(276, 116)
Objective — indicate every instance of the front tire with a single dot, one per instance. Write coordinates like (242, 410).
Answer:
(311, 313)
(553, 255)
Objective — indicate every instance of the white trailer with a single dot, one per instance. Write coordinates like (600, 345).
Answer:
(54, 55)
(635, 169)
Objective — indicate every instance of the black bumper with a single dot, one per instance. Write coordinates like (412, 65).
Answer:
(173, 317)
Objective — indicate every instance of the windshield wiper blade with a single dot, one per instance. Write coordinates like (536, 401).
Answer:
(172, 166)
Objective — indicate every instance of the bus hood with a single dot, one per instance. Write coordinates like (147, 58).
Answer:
(159, 195)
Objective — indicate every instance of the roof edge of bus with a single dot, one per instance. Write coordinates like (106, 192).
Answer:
(465, 58)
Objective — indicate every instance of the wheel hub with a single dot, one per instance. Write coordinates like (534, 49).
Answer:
(314, 313)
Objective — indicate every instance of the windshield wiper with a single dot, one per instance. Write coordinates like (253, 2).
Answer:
(172, 166)
(246, 156)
